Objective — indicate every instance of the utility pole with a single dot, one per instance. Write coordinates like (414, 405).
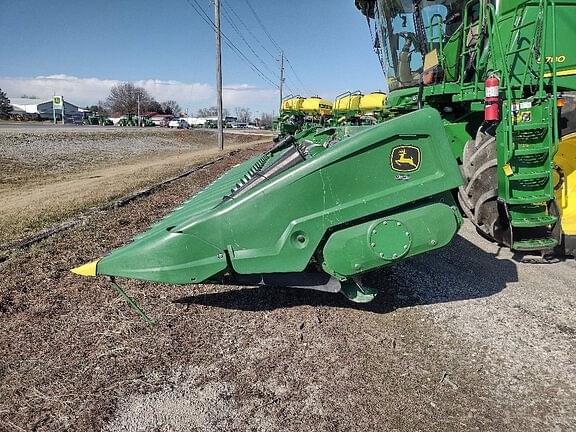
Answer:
(53, 109)
(281, 77)
(219, 74)
(138, 110)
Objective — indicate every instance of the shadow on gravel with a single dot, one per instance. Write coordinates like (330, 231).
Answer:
(269, 298)
(461, 271)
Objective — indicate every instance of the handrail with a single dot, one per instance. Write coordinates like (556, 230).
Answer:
(544, 12)
(556, 137)
(348, 94)
(505, 78)
(291, 96)
(431, 37)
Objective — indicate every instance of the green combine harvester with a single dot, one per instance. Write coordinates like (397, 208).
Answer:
(478, 123)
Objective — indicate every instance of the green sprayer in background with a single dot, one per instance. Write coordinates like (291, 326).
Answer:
(475, 123)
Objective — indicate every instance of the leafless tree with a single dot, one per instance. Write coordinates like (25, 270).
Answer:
(171, 107)
(266, 120)
(98, 108)
(154, 106)
(211, 112)
(243, 114)
(123, 99)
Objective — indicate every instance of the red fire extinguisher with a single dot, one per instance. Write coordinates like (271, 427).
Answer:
(492, 99)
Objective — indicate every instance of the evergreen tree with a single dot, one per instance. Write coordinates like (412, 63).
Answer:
(5, 106)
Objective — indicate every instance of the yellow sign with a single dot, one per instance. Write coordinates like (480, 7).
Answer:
(58, 102)
(405, 158)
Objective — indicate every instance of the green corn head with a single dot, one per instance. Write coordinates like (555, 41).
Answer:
(311, 213)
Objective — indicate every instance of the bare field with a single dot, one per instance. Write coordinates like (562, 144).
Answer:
(465, 338)
(48, 174)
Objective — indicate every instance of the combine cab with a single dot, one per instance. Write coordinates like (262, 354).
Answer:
(476, 115)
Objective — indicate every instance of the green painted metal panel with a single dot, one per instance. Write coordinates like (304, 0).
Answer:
(459, 133)
(387, 240)
(162, 256)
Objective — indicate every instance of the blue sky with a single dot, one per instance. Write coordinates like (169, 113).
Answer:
(81, 48)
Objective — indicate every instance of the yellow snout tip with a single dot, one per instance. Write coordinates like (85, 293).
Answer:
(88, 269)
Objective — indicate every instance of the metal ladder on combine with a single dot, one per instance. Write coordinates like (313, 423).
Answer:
(529, 138)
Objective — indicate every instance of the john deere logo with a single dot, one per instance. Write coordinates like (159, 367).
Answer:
(405, 158)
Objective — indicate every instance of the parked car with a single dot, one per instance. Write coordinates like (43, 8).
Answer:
(178, 123)
(165, 122)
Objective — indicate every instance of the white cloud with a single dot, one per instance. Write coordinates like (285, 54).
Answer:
(255, 98)
(86, 91)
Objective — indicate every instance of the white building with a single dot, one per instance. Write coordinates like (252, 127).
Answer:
(45, 111)
(26, 105)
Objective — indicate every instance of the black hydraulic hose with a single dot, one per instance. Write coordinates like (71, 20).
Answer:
(421, 41)
(421, 94)
(421, 38)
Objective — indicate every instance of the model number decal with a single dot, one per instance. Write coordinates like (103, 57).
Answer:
(550, 59)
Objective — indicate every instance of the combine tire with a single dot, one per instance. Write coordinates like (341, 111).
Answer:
(478, 196)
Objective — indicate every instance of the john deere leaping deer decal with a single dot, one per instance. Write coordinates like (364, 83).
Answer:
(405, 158)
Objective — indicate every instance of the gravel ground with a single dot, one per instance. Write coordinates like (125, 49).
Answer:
(27, 153)
(465, 338)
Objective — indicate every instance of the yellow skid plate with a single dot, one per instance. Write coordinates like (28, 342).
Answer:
(88, 269)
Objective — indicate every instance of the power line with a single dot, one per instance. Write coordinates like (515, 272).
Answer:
(228, 42)
(267, 33)
(228, 12)
(228, 15)
(250, 31)
(236, 17)
(296, 75)
(219, 73)
(202, 14)
(237, 30)
(208, 20)
(262, 25)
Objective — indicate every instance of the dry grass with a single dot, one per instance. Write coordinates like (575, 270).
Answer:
(36, 193)
(69, 346)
